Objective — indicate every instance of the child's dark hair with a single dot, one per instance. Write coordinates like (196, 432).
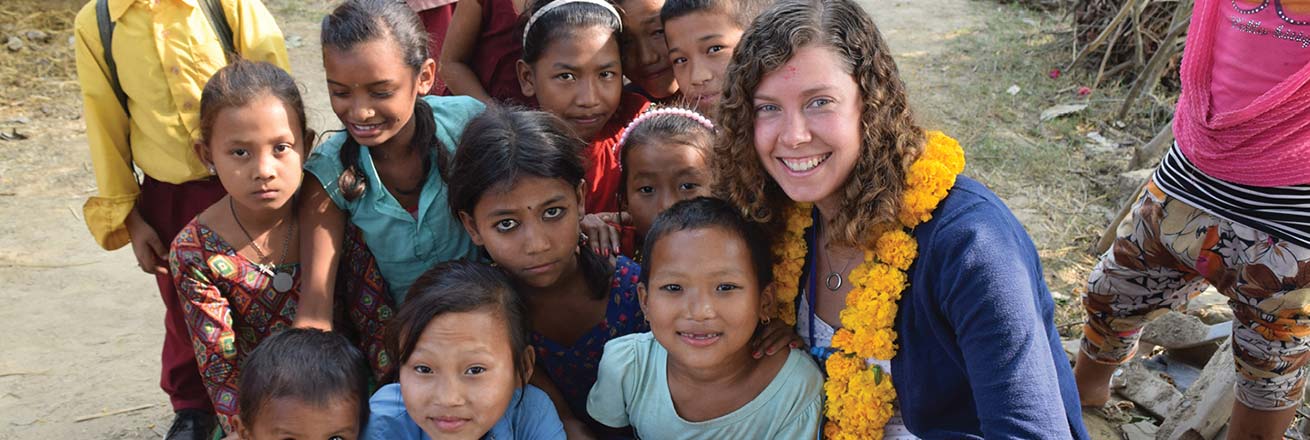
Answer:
(310, 365)
(457, 287)
(562, 22)
(354, 22)
(503, 144)
(666, 126)
(743, 12)
(709, 212)
(244, 81)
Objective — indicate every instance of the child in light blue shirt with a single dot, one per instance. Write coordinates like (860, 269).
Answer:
(464, 363)
(705, 290)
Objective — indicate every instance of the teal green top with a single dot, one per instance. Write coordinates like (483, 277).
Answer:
(632, 389)
(404, 245)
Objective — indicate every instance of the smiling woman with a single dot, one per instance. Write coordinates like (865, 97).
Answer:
(915, 286)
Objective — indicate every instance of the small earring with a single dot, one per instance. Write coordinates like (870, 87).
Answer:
(766, 320)
(212, 171)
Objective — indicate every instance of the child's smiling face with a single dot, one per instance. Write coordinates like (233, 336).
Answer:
(292, 418)
(645, 53)
(372, 90)
(700, 47)
(578, 78)
(257, 153)
(704, 304)
(659, 175)
(460, 377)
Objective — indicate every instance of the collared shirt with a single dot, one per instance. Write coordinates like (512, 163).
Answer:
(165, 51)
(404, 244)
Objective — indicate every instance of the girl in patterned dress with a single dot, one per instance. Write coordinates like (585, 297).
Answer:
(235, 265)
(517, 185)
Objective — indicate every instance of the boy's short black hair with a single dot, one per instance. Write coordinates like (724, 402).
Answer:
(311, 365)
(743, 12)
(709, 212)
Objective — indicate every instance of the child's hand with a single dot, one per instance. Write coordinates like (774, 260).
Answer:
(151, 254)
(774, 337)
(603, 232)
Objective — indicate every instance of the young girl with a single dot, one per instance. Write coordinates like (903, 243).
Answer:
(480, 51)
(461, 343)
(385, 175)
(694, 375)
(235, 266)
(645, 54)
(1226, 206)
(664, 158)
(924, 294)
(303, 384)
(571, 65)
(517, 185)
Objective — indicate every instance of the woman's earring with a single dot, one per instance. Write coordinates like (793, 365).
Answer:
(212, 171)
(766, 320)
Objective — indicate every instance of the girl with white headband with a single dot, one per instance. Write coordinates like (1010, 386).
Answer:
(571, 66)
(664, 158)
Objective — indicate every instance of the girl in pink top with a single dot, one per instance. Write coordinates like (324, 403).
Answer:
(1227, 206)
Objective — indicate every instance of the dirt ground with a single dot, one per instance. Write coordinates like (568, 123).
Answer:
(80, 328)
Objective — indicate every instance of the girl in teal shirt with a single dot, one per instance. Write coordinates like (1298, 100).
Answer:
(382, 180)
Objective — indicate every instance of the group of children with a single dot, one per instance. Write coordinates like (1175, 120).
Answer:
(443, 248)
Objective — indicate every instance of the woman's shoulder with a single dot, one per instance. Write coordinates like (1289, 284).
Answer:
(969, 205)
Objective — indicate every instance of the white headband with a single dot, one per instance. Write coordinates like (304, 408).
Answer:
(689, 114)
(556, 4)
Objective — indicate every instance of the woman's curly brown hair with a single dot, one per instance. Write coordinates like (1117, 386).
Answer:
(891, 138)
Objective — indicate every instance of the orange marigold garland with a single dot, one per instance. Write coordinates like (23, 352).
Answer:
(859, 393)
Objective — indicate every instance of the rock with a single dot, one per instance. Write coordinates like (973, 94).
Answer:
(1071, 348)
(1144, 430)
(1013, 90)
(1148, 389)
(18, 120)
(1100, 144)
(1129, 181)
(1178, 330)
(37, 36)
(295, 41)
(14, 44)
(1060, 110)
(1059, 296)
(1207, 404)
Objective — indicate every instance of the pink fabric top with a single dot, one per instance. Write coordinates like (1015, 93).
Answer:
(1245, 107)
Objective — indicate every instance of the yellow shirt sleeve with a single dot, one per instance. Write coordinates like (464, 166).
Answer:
(257, 35)
(107, 129)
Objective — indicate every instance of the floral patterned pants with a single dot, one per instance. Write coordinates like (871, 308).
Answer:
(1165, 253)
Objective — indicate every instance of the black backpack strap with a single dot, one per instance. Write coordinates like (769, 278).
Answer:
(213, 10)
(106, 26)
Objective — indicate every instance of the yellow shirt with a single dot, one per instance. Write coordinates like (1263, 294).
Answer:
(165, 51)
